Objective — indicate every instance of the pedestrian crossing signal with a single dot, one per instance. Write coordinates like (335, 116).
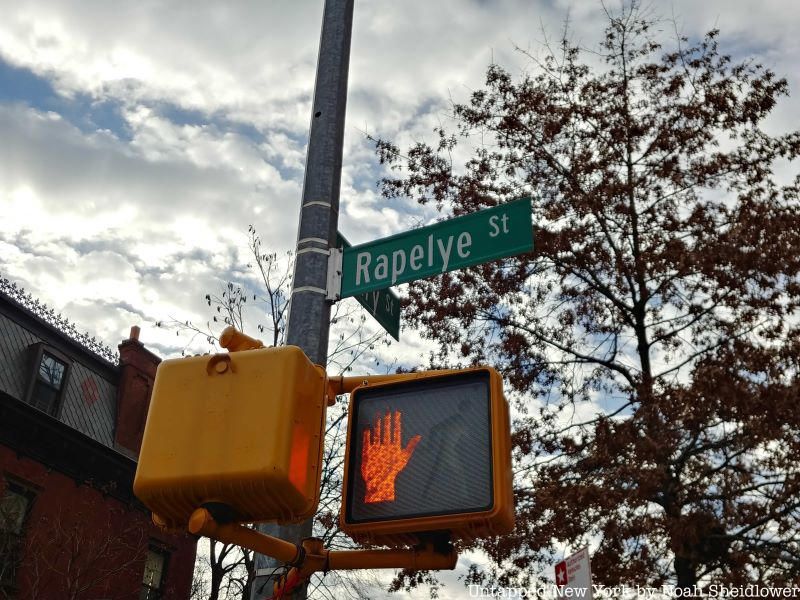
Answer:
(383, 457)
(240, 431)
(428, 454)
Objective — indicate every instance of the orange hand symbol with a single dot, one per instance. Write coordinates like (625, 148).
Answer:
(384, 458)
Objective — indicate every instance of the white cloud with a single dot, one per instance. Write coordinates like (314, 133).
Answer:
(175, 201)
(203, 55)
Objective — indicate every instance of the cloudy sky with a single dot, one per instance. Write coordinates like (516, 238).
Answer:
(139, 140)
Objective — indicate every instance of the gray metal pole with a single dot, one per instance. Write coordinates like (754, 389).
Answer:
(309, 311)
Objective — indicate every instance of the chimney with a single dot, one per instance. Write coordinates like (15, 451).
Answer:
(137, 372)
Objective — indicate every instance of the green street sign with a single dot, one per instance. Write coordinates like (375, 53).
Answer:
(383, 304)
(471, 239)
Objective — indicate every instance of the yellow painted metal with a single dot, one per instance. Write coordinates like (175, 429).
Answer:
(202, 523)
(241, 431)
(345, 385)
(313, 556)
(497, 520)
(234, 340)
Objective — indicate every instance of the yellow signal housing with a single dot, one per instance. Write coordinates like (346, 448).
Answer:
(428, 454)
(239, 431)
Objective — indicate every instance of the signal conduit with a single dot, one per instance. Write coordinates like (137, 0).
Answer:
(312, 556)
(202, 523)
(344, 385)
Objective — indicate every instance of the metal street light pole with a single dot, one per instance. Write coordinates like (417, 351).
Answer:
(309, 311)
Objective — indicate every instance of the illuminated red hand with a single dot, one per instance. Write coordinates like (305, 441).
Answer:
(384, 458)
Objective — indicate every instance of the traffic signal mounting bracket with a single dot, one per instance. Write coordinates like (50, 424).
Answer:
(311, 556)
(234, 341)
(344, 385)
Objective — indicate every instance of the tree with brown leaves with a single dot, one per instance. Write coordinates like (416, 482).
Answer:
(651, 340)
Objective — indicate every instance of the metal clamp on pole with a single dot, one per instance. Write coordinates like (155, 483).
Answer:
(334, 286)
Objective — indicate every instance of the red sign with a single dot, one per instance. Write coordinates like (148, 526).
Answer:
(428, 452)
(575, 572)
(420, 448)
(383, 457)
(89, 391)
(561, 573)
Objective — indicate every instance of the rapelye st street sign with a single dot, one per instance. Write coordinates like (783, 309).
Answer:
(479, 237)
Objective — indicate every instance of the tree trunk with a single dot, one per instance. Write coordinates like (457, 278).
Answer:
(216, 582)
(685, 571)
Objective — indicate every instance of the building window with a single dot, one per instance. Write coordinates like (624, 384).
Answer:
(50, 371)
(15, 504)
(155, 568)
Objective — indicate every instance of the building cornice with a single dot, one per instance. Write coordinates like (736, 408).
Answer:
(36, 435)
(54, 329)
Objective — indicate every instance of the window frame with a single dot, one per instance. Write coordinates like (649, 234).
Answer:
(149, 592)
(15, 548)
(38, 352)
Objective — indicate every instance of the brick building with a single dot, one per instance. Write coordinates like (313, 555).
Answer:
(71, 422)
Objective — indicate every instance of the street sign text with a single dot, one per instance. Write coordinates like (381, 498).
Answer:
(471, 239)
(383, 304)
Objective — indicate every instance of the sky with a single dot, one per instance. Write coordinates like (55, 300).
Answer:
(140, 140)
